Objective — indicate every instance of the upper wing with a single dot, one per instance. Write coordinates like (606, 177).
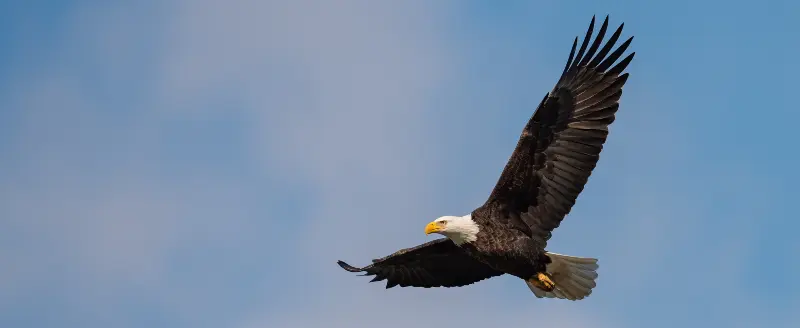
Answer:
(562, 141)
(438, 263)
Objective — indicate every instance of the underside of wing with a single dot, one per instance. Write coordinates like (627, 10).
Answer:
(439, 263)
(561, 143)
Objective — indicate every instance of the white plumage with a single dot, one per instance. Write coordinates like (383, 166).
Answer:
(574, 277)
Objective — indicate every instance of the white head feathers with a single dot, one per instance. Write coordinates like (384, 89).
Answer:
(460, 229)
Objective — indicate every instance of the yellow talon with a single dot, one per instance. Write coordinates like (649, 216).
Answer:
(542, 281)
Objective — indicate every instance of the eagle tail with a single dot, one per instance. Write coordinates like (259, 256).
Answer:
(574, 277)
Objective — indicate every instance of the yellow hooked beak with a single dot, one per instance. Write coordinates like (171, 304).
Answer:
(432, 227)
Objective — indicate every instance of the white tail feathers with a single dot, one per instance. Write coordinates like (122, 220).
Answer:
(573, 276)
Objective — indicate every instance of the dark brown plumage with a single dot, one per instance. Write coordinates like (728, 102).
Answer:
(554, 157)
(438, 263)
(561, 144)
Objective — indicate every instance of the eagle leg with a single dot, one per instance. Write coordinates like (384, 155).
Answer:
(543, 281)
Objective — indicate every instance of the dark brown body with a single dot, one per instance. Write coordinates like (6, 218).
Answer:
(506, 249)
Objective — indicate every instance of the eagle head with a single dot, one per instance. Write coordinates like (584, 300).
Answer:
(460, 229)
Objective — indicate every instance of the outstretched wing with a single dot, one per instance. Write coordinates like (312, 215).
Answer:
(438, 263)
(561, 143)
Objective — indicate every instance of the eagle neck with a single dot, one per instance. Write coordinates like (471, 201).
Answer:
(464, 230)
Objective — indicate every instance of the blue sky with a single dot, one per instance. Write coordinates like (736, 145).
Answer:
(204, 164)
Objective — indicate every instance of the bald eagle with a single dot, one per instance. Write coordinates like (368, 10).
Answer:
(556, 152)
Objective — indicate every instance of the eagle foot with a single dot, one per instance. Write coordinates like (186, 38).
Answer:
(543, 281)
